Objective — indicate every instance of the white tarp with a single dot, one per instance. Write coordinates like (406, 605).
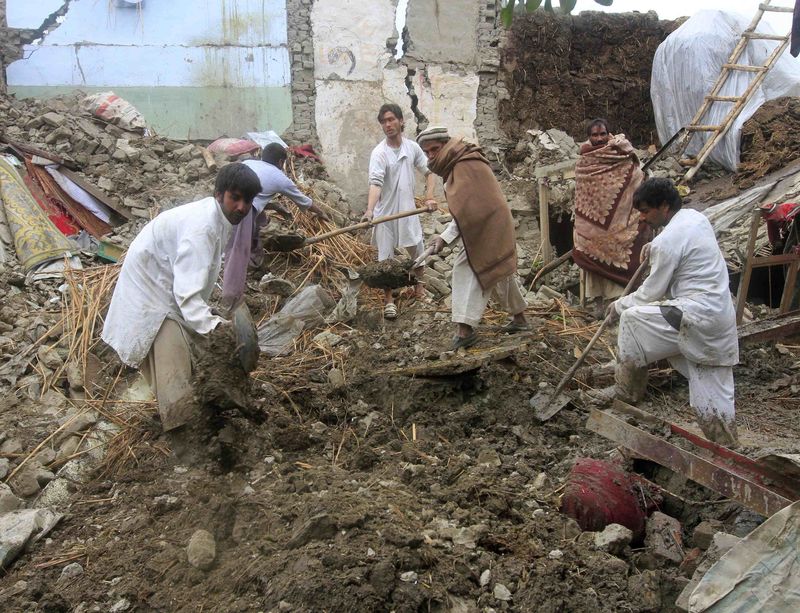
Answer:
(687, 64)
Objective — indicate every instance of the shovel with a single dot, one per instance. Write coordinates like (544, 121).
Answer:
(548, 404)
(246, 337)
(292, 242)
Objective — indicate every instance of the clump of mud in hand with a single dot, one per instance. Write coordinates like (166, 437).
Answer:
(389, 274)
(220, 381)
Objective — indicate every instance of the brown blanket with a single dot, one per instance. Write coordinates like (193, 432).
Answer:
(480, 210)
(608, 234)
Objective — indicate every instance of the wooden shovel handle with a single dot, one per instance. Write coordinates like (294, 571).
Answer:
(362, 225)
(569, 374)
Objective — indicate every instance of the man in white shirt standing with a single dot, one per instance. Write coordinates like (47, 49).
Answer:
(160, 302)
(391, 191)
(683, 312)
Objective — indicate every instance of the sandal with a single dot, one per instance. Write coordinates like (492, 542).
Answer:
(464, 341)
(513, 327)
(390, 311)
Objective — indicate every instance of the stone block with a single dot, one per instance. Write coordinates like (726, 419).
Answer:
(613, 539)
(54, 119)
(201, 550)
(663, 538)
(703, 534)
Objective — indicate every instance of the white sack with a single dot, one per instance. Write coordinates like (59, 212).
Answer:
(687, 64)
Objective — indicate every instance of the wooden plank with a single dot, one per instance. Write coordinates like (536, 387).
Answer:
(770, 329)
(744, 280)
(775, 260)
(745, 68)
(110, 202)
(544, 221)
(762, 36)
(459, 364)
(775, 9)
(720, 479)
(788, 287)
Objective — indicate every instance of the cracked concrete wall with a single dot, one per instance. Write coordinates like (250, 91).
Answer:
(194, 68)
(437, 81)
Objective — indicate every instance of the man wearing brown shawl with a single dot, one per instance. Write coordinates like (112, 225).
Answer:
(482, 220)
(608, 233)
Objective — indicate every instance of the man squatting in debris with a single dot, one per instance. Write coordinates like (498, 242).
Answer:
(160, 302)
(482, 220)
(245, 245)
(391, 191)
(609, 234)
(682, 312)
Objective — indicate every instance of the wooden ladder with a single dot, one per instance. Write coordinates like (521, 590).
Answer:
(732, 65)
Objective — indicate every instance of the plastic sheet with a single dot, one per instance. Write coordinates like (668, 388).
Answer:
(687, 64)
(309, 307)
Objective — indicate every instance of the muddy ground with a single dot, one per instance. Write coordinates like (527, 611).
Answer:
(384, 492)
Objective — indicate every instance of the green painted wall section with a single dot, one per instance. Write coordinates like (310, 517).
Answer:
(196, 112)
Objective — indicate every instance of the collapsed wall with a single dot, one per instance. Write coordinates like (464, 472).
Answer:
(561, 71)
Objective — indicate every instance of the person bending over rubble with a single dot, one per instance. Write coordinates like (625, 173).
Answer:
(482, 220)
(682, 312)
(245, 245)
(160, 302)
(391, 191)
(608, 233)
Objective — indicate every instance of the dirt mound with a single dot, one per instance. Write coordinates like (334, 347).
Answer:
(770, 140)
(388, 274)
(561, 71)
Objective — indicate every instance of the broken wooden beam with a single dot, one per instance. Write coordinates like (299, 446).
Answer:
(458, 364)
(771, 328)
(715, 476)
(111, 203)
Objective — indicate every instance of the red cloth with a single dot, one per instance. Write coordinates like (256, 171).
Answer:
(778, 218)
(599, 493)
(305, 151)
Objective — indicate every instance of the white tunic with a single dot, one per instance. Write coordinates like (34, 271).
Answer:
(393, 172)
(689, 272)
(274, 181)
(169, 271)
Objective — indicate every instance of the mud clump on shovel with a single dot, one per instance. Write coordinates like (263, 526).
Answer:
(284, 242)
(389, 274)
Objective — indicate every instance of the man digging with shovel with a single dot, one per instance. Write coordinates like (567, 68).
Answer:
(683, 312)
(482, 220)
(159, 310)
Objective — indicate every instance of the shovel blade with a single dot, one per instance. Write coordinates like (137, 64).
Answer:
(546, 406)
(246, 337)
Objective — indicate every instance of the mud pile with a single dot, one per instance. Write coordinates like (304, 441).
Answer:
(770, 140)
(562, 71)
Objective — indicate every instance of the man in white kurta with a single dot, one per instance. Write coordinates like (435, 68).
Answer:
(160, 301)
(682, 312)
(391, 191)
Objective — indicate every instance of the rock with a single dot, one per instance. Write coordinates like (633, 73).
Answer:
(663, 537)
(409, 577)
(556, 554)
(501, 592)
(123, 604)
(53, 119)
(8, 501)
(486, 578)
(74, 376)
(437, 285)
(55, 493)
(643, 589)
(327, 339)
(70, 571)
(703, 534)
(613, 539)
(11, 446)
(4, 467)
(336, 379)
(25, 482)
(202, 550)
(270, 284)
(317, 528)
(488, 457)
(19, 529)
(49, 358)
